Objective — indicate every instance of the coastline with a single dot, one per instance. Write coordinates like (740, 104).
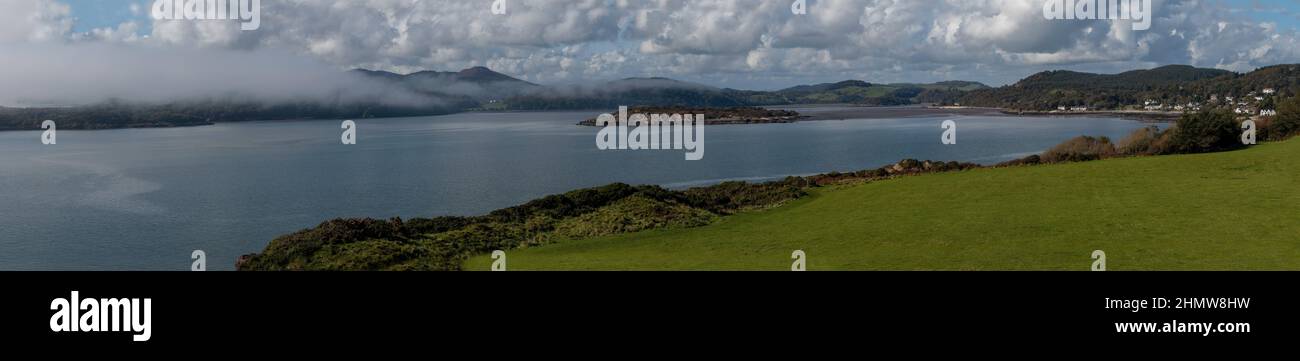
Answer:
(1140, 115)
(848, 112)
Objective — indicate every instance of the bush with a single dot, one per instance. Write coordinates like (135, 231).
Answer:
(1205, 132)
(1145, 141)
(1287, 122)
(1080, 149)
(633, 214)
(1030, 160)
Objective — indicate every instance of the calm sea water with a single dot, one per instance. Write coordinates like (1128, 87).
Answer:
(144, 199)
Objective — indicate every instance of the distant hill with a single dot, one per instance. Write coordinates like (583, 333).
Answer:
(386, 94)
(861, 92)
(477, 83)
(1136, 79)
(627, 92)
(1174, 84)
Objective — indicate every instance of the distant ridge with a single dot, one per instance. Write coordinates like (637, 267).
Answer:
(480, 88)
(1173, 84)
(1162, 76)
(476, 74)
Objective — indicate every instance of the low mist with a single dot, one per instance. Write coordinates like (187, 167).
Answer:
(87, 73)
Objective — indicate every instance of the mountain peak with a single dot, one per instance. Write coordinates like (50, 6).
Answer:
(483, 74)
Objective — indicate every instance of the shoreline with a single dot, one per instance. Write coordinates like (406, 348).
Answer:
(850, 112)
(1139, 115)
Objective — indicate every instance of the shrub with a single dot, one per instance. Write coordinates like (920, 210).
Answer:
(633, 214)
(1287, 122)
(1145, 141)
(1205, 132)
(1080, 149)
(1030, 160)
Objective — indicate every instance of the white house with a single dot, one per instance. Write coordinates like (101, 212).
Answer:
(1267, 112)
(1270, 91)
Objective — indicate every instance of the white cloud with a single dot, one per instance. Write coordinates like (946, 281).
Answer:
(34, 20)
(742, 43)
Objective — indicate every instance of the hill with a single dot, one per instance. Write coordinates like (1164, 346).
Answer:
(864, 93)
(1174, 84)
(478, 84)
(377, 94)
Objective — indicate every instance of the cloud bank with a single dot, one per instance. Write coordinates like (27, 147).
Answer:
(738, 43)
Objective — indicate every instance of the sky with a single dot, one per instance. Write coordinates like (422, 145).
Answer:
(744, 44)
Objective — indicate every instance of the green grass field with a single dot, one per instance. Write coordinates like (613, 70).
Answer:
(1224, 211)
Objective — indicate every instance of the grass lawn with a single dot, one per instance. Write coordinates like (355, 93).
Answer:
(1224, 211)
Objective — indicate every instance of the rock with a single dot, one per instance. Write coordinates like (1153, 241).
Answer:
(243, 260)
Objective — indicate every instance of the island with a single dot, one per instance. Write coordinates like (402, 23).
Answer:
(718, 116)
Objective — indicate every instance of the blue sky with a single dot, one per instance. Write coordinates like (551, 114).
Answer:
(92, 14)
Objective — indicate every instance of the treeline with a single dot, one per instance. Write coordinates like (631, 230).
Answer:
(443, 243)
(1213, 131)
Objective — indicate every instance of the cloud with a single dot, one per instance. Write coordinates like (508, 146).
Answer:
(80, 73)
(736, 43)
(34, 20)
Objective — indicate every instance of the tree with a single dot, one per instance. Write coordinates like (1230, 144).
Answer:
(1287, 122)
(1206, 132)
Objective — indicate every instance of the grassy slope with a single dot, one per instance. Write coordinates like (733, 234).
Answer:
(1225, 211)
